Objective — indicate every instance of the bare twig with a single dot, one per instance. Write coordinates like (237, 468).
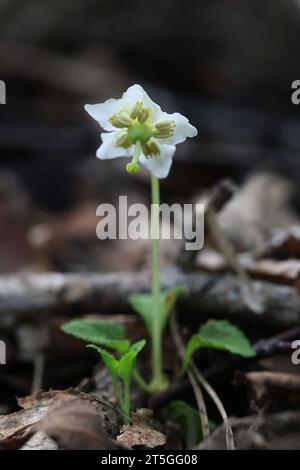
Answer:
(196, 389)
(213, 395)
(278, 343)
(203, 382)
(38, 373)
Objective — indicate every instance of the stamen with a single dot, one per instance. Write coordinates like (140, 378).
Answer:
(147, 150)
(123, 141)
(151, 149)
(164, 129)
(143, 115)
(154, 148)
(121, 120)
(164, 125)
(136, 110)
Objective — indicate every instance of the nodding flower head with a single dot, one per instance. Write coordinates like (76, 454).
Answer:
(137, 127)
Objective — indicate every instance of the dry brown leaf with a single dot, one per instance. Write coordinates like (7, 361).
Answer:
(74, 424)
(16, 428)
(40, 441)
(142, 432)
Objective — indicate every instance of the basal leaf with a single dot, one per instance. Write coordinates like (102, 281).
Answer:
(188, 419)
(219, 334)
(110, 362)
(138, 346)
(126, 365)
(104, 333)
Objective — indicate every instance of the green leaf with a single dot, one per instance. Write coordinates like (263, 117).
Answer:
(143, 305)
(188, 419)
(111, 363)
(123, 367)
(218, 334)
(138, 346)
(104, 333)
(127, 362)
(171, 297)
(126, 365)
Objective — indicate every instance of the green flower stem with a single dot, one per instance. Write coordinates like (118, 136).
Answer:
(158, 380)
(126, 400)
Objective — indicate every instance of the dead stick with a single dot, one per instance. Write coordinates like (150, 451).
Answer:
(206, 294)
(196, 389)
(213, 395)
(203, 382)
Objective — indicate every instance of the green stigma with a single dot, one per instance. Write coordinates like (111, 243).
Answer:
(132, 168)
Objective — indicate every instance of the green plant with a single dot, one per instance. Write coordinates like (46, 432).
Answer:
(145, 305)
(110, 335)
(188, 420)
(137, 128)
(218, 334)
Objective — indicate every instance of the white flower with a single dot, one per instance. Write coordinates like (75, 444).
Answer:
(137, 127)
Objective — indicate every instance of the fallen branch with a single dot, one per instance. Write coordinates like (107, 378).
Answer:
(206, 294)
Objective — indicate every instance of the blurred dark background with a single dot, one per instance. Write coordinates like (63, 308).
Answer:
(226, 65)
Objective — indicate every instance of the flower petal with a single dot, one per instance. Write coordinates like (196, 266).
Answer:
(183, 128)
(159, 166)
(109, 149)
(101, 112)
(137, 93)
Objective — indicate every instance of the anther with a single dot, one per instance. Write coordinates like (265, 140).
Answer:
(136, 110)
(143, 115)
(121, 120)
(123, 141)
(164, 129)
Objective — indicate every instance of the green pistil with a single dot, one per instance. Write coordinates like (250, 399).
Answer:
(133, 167)
(139, 132)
